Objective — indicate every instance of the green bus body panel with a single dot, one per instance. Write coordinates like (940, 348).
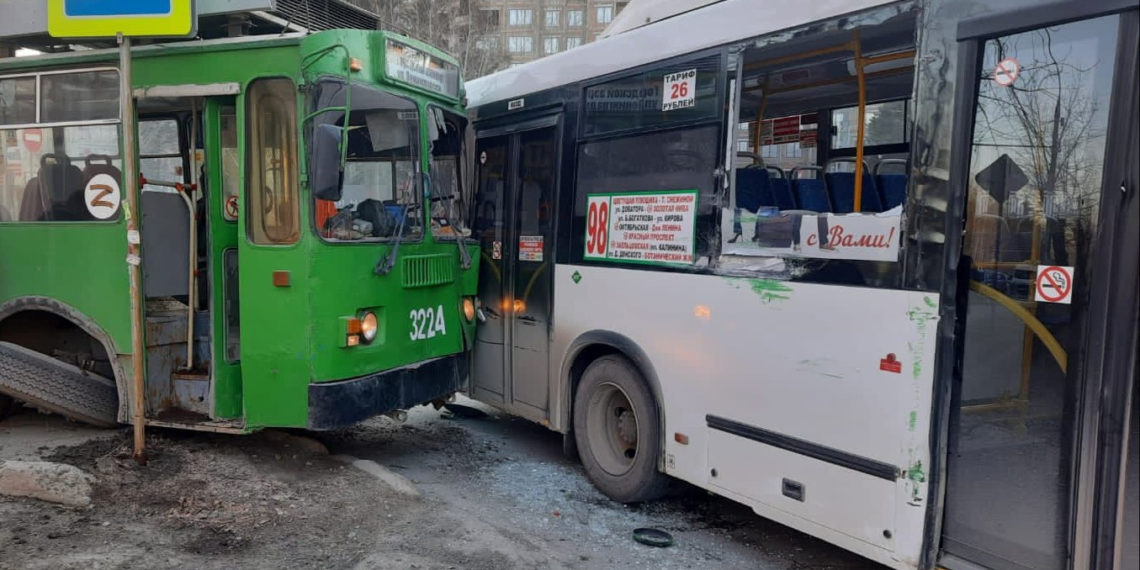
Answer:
(290, 336)
(81, 264)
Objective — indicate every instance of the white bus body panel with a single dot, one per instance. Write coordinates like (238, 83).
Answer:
(710, 26)
(801, 360)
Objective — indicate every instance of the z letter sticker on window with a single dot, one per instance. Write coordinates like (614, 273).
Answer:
(102, 196)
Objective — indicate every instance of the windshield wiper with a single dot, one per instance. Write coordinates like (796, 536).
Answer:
(386, 263)
(464, 257)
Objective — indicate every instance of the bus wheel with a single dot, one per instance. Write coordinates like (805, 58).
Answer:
(617, 428)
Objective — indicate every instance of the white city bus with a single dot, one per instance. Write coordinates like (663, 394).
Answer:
(869, 268)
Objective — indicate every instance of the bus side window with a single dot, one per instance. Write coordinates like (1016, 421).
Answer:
(652, 172)
(273, 216)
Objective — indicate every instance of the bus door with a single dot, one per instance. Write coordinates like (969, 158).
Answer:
(1052, 286)
(220, 188)
(514, 215)
(274, 317)
(187, 158)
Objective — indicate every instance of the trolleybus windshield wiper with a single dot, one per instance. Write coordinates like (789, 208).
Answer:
(385, 264)
(464, 257)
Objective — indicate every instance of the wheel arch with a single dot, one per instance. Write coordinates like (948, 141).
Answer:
(597, 343)
(84, 323)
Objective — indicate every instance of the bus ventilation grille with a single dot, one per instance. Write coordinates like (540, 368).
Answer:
(428, 270)
(317, 15)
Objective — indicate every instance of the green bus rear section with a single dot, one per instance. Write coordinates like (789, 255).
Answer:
(291, 335)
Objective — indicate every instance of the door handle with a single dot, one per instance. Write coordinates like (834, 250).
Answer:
(526, 319)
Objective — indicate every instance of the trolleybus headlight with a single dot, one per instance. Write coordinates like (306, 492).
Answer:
(469, 309)
(368, 326)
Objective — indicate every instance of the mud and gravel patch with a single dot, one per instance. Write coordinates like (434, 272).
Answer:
(497, 495)
(202, 500)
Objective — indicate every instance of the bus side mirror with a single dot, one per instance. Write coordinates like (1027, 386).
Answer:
(326, 172)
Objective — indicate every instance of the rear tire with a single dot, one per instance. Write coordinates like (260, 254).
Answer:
(52, 385)
(617, 427)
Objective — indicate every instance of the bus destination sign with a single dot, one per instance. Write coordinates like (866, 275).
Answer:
(415, 67)
(642, 227)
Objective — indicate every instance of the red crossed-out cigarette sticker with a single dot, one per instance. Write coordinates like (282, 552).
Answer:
(1054, 284)
(1006, 72)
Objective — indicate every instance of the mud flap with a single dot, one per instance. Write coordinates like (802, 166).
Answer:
(55, 386)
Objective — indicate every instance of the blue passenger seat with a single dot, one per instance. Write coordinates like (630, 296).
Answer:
(811, 193)
(781, 189)
(891, 186)
(841, 186)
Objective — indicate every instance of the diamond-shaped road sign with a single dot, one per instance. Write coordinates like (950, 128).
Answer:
(1002, 178)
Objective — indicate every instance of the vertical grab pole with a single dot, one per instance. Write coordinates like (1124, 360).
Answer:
(134, 257)
(192, 205)
(857, 48)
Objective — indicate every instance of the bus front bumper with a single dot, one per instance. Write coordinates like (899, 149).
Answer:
(343, 403)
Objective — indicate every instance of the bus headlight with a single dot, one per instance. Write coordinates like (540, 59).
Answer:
(368, 326)
(469, 309)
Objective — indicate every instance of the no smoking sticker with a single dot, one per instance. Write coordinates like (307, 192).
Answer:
(1006, 72)
(1054, 284)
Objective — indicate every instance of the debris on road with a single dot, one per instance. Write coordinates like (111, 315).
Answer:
(398, 483)
(493, 494)
(653, 537)
(463, 412)
(46, 481)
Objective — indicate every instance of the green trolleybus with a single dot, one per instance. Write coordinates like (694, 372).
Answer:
(301, 244)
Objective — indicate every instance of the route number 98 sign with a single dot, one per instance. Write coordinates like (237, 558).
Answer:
(641, 227)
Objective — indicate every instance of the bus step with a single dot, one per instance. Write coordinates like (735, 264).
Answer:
(194, 375)
(191, 391)
(184, 419)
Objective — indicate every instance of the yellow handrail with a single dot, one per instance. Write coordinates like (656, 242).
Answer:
(1030, 320)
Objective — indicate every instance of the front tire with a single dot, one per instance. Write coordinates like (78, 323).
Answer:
(617, 427)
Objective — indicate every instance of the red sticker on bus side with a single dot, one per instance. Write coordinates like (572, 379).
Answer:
(890, 364)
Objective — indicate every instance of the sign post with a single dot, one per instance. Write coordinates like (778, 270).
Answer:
(123, 19)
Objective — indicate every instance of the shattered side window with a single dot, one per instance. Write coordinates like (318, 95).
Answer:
(648, 199)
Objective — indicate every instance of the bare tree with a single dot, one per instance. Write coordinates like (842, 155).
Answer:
(1047, 116)
(1046, 119)
(454, 26)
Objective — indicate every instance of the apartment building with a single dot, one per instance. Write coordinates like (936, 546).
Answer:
(525, 30)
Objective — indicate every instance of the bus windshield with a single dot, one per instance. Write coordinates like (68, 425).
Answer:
(380, 183)
(447, 203)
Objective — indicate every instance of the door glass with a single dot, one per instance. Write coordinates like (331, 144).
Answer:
(490, 212)
(230, 309)
(1034, 193)
(231, 163)
(1130, 504)
(534, 221)
(535, 205)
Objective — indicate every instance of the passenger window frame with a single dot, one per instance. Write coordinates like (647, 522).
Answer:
(256, 232)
